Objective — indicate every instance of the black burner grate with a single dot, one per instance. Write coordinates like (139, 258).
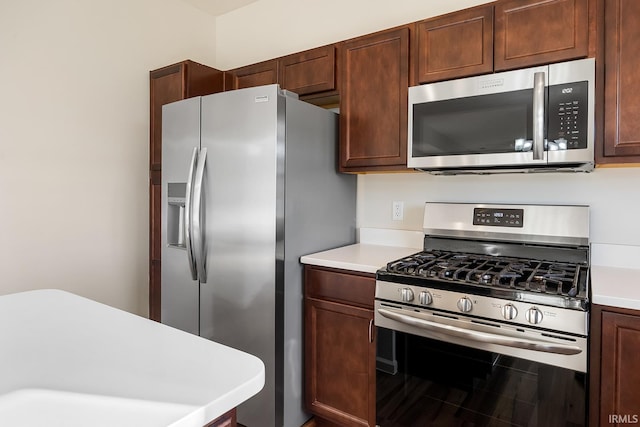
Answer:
(500, 272)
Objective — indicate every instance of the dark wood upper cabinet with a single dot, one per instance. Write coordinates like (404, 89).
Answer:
(340, 349)
(309, 72)
(262, 73)
(172, 83)
(373, 102)
(183, 80)
(455, 45)
(621, 82)
(535, 32)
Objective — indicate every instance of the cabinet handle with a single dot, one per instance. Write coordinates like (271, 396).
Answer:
(371, 330)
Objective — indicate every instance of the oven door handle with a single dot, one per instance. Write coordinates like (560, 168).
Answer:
(483, 337)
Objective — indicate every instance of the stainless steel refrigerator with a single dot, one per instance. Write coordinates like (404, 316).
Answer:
(249, 184)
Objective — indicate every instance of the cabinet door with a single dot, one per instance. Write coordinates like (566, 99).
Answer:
(173, 83)
(263, 73)
(168, 84)
(620, 368)
(309, 72)
(373, 102)
(456, 45)
(533, 32)
(340, 362)
(155, 237)
(621, 82)
(226, 420)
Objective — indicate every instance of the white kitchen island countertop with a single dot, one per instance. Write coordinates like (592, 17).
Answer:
(67, 361)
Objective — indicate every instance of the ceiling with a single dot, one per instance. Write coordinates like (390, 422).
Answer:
(219, 7)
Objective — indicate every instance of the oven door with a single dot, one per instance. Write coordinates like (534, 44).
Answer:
(422, 382)
(440, 369)
(567, 351)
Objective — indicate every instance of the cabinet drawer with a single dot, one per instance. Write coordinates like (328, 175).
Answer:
(309, 72)
(341, 286)
(262, 73)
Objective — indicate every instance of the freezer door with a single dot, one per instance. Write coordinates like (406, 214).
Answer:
(243, 132)
(180, 141)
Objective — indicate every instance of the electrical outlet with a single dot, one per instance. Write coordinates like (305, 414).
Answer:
(398, 211)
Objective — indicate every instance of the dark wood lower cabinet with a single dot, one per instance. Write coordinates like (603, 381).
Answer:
(226, 420)
(615, 366)
(340, 347)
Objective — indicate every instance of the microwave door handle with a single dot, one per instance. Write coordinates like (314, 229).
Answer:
(187, 216)
(538, 116)
(477, 336)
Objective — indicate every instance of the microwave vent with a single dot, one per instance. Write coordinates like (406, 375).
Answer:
(490, 83)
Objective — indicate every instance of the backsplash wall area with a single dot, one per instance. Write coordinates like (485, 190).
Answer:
(613, 195)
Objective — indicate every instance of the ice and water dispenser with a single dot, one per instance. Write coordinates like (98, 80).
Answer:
(175, 214)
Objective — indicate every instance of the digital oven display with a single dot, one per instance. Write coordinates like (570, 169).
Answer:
(498, 217)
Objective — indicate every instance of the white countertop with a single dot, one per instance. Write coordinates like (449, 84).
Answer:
(68, 361)
(615, 269)
(615, 273)
(362, 257)
(616, 287)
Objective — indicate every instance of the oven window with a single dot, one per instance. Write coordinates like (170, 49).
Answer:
(423, 382)
(485, 124)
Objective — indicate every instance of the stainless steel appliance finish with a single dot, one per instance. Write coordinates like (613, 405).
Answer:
(488, 325)
(257, 167)
(536, 119)
(511, 279)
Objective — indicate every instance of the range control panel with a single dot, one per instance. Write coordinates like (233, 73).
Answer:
(568, 113)
(498, 217)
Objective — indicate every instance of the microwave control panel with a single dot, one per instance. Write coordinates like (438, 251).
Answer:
(568, 113)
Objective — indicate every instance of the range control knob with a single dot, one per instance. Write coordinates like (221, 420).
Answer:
(509, 311)
(533, 315)
(407, 294)
(465, 305)
(425, 298)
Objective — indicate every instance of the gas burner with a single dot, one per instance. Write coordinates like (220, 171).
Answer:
(498, 272)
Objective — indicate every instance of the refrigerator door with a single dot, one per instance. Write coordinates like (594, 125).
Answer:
(243, 193)
(180, 137)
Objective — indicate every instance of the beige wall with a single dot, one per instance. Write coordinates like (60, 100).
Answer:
(612, 194)
(74, 132)
(271, 28)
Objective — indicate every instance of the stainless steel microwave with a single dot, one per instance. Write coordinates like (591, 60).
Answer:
(531, 120)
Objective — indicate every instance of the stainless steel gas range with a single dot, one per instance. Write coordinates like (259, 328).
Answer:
(502, 288)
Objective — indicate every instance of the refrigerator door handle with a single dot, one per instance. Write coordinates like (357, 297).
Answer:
(196, 217)
(187, 216)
